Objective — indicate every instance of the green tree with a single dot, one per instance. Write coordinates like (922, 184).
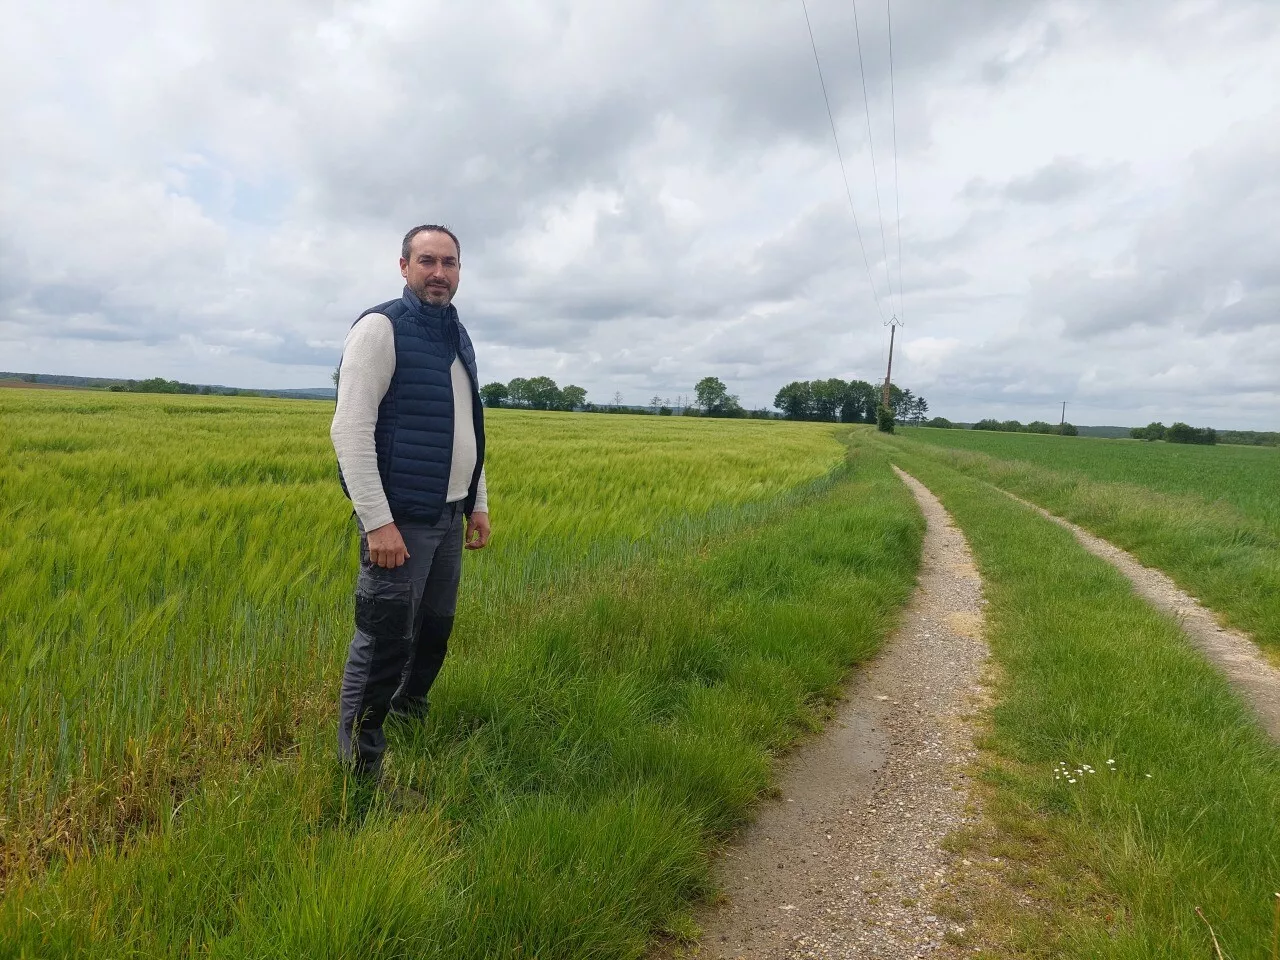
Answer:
(901, 402)
(518, 392)
(715, 400)
(573, 397)
(941, 423)
(157, 385)
(884, 419)
(492, 394)
(898, 401)
(1152, 431)
(543, 393)
(859, 403)
(711, 393)
(828, 396)
(795, 400)
(1183, 433)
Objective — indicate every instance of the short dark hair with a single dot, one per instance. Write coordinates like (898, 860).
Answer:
(428, 228)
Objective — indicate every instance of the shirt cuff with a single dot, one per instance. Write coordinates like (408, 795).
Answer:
(482, 495)
(371, 518)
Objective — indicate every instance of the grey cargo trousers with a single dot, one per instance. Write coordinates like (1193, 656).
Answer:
(403, 621)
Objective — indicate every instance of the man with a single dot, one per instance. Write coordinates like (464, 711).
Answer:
(409, 435)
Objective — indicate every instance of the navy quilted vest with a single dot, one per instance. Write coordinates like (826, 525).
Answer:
(414, 434)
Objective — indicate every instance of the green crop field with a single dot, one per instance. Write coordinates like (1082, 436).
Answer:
(666, 605)
(1246, 478)
(665, 602)
(1208, 516)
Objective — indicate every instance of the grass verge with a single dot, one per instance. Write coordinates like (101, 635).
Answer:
(562, 798)
(1183, 811)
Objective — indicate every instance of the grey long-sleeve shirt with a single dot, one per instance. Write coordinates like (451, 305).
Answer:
(368, 364)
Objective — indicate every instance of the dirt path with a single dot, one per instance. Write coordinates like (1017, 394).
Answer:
(849, 861)
(1230, 650)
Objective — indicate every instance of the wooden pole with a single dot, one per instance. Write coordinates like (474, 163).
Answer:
(893, 328)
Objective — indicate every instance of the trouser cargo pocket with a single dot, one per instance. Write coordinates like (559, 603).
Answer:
(384, 608)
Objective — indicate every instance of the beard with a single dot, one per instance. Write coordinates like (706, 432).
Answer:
(436, 296)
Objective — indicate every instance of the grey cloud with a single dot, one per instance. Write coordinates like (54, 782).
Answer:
(930, 277)
(1206, 266)
(680, 156)
(60, 299)
(1256, 309)
(1063, 179)
(1020, 59)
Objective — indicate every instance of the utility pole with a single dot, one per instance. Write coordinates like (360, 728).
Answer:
(1063, 423)
(882, 424)
(893, 325)
(889, 373)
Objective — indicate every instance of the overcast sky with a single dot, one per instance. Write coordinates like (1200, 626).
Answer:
(648, 193)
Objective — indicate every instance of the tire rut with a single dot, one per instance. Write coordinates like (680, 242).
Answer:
(850, 860)
(1231, 651)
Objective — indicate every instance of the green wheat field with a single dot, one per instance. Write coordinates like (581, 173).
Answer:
(667, 606)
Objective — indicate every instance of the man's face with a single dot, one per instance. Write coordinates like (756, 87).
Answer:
(432, 268)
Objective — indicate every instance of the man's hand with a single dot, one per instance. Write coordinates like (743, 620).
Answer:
(477, 531)
(386, 547)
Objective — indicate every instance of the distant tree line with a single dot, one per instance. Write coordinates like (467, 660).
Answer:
(161, 385)
(832, 400)
(535, 393)
(1177, 433)
(1250, 438)
(542, 393)
(1035, 426)
(847, 401)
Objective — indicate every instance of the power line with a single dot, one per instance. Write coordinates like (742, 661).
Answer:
(840, 156)
(875, 178)
(894, 322)
(893, 113)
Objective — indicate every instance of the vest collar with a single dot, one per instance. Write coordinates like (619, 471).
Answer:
(427, 312)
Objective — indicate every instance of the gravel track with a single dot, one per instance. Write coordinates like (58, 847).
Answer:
(849, 861)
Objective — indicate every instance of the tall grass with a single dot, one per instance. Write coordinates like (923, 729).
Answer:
(591, 735)
(1208, 516)
(177, 575)
(1116, 862)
